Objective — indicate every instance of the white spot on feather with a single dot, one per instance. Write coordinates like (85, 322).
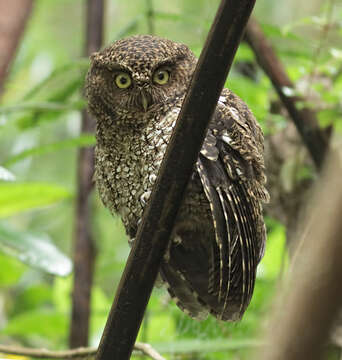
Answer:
(227, 139)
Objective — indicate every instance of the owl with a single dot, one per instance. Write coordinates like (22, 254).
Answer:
(135, 89)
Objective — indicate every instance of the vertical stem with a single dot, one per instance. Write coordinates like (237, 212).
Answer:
(84, 249)
(150, 17)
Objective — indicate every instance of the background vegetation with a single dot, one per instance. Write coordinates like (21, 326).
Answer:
(40, 136)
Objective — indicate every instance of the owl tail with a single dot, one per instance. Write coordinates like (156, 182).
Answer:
(182, 293)
(189, 272)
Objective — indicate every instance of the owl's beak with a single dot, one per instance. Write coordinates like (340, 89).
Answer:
(144, 101)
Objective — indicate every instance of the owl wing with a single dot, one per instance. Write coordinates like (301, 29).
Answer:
(231, 169)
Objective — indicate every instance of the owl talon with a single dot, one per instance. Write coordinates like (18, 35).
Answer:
(177, 240)
(144, 197)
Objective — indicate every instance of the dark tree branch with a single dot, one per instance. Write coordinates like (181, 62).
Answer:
(84, 249)
(153, 234)
(305, 119)
(13, 17)
(306, 311)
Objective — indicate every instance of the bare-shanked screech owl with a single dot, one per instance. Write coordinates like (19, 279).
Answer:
(135, 89)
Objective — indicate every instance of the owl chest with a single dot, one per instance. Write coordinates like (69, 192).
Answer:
(127, 171)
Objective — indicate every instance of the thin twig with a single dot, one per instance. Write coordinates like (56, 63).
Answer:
(318, 50)
(155, 229)
(305, 119)
(79, 353)
(147, 349)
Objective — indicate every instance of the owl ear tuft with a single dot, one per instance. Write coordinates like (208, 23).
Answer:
(95, 57)
(182, 48)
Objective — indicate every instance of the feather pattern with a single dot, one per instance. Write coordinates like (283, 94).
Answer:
(219, 234)
(228, 180)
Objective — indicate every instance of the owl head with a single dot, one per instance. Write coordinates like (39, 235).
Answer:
(138, 74)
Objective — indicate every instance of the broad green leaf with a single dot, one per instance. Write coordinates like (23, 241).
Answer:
(34, 249)
(81, 141)
(6, 175)
(31, 298)
(62, 288)
(44, 323)
(16, 197)
(14, 270)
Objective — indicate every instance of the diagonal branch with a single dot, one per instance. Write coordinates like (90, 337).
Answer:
(13, 17)
(153, 234)
(307, 309)
(305, 119)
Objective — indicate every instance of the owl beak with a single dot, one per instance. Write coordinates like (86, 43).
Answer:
(144, 101)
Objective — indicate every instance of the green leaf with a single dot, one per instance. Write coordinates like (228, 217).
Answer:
(32, 297)
(275, 259)
(17, 197)
(14, 270)
(59, 92)
(41, 107)
(81, 141)
(58, 75)
(35, 250)
(47, 324)
(131, 27)
(6, 175)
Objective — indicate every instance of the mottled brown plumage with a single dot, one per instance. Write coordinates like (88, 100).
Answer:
(135, 89)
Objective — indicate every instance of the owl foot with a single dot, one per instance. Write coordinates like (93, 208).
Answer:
(176, 240)
(144, 197)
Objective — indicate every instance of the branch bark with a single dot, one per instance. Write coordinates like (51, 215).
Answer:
(13, 18)
(84, 248)
(153, 234)
(306, 311)
(305, 119)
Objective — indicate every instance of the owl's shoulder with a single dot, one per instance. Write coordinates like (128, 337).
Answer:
(235, 137)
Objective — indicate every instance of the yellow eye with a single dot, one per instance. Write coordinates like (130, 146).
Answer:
(161, 76)
(123, 80)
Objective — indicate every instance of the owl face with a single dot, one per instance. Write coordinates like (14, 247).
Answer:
(139, 74)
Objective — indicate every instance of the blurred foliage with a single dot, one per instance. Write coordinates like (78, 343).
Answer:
(39, 138)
